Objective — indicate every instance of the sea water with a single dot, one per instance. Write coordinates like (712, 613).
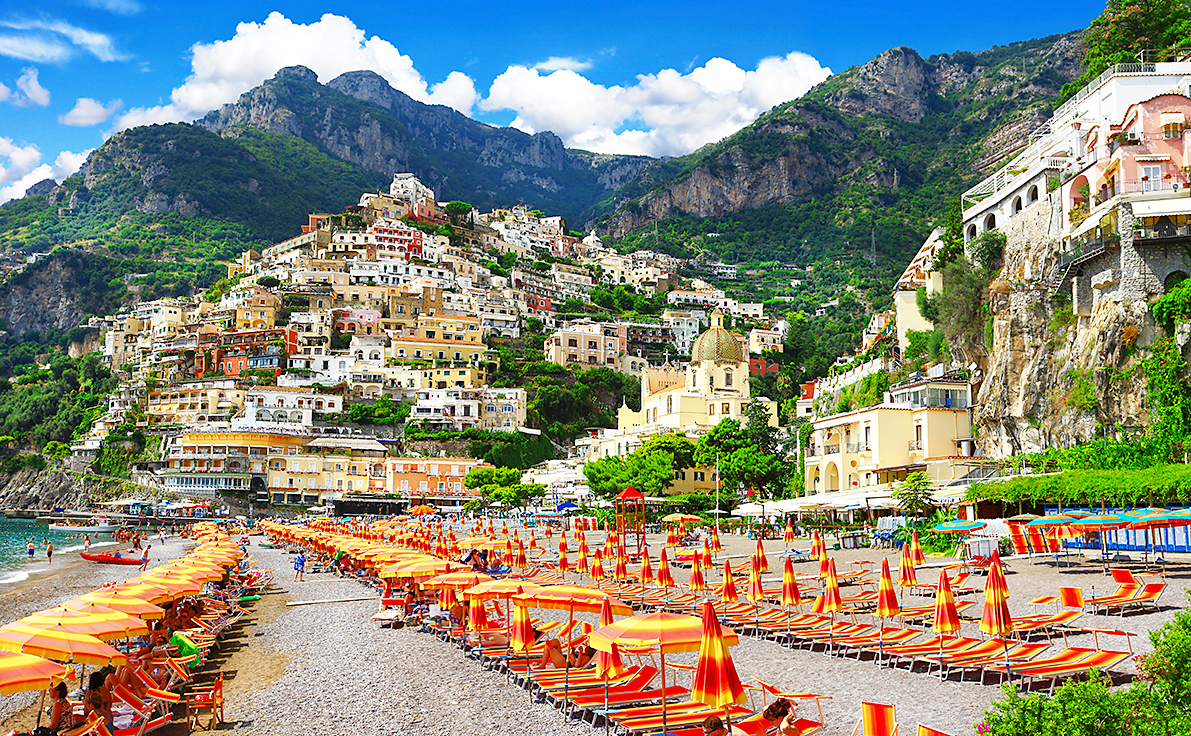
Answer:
(14, 538)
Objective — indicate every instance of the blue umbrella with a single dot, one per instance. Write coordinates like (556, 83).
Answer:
(565, 506)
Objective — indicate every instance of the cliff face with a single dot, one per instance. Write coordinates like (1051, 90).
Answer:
(46, 299)
(856, 129)
(46, 489)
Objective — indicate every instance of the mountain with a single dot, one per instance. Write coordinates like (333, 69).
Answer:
(359, 118)
(874, 153)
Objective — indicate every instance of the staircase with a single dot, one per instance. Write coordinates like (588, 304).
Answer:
(1073, 260)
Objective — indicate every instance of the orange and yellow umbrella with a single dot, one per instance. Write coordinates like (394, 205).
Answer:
(916, 555)
(671, 537)
(477, 617)
(113, 601)
(996, 621)
(597, 567)
(665, 576)
(706, 555)
(520, 560)
(756, 593)
(697, 583)
(831, 601)
(58, 645)
(621, 571)
(103, 626)
(907, 577)
(564, 566)
(581, 566)
(946, 617)
(791, 596)
(788, 536)
(21, 673)
(458, 579)
(716, 547)
(759, 556)
(570, 598)
(887, 606)
(646, 574)
(727, 591)
(715, 682)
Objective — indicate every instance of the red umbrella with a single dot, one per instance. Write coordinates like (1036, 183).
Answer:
(665, 578)
(716, 682)
(759, 555)
(696, 583)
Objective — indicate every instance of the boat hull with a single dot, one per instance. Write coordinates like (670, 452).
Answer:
(109, 559)
(98, 528)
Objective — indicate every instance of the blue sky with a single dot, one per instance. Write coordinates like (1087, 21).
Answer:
(657, 79)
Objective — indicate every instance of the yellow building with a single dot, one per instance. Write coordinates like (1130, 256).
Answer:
(213, 462)
(925, 426)
(186, 402)
(324, 468)
(257, 309)
(714, 386)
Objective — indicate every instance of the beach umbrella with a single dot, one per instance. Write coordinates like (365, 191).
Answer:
(581, 560)
(20, 673)
(907, 577)
(946, 617)
(791, 595)
(696, 584)
(521, 636)
(103, 626)
(504, 588)
(788, 535)
(597, 567)
(727, 591)
(1100, 524)
(996, 621)
(563, 565)
(706, 555)
(477, 617)
(668, 633)
(716, 547)
(646, 574)
(571, 598)
(447, 599)
(759, 556)
(665, 576)
(458, 579)
(113, 601)
(824, 563)
(681, 531)
(887, 606)
(680, 517)
(756, 593)
(715, 682)
(609, 545)
(830, 602)
(671, 537)
(816, 541)
(151, 593)
(521, 560)
(608, 664)
(621, 571)
(58, 645)
(916, 555)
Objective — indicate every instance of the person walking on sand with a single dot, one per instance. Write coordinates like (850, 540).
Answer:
(145, 557)
(49, 551)
(87, 543)
(300, 567)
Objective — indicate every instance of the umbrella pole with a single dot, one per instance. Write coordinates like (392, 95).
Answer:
(40, 708)
(566, 662)
(662, 657)
(606, 719)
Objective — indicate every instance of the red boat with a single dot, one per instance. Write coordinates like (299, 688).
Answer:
(110, 559)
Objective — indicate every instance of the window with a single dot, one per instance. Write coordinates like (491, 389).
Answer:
(669, 404)
(700, 475)
(727, 378)
(572, 343)
(429, 334)
(726, 408)
(711, 410)
(1172, 130)
(591, 344)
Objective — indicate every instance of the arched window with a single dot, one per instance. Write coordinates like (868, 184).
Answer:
(727, 378)
(669, 404)
(1016, 205)
(1032, 194)
(990, 223)
(971, 231)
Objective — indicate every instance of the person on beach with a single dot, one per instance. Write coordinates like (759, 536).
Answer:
(145, 558)
(61, 710)
(552, 656)
(98, 699)
(32, 549)
(87, 543)
(49, 551)
(300, 567)
(780, 713)
(714, 726)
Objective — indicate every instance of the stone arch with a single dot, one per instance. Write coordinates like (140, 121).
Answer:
(1017, 205)
(1032, 194)
(832, 478)
(1076, 197)
(972, 231)
(1174, 279)
(990, 222)
(295, 416)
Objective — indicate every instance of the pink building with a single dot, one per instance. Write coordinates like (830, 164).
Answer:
(358, 321)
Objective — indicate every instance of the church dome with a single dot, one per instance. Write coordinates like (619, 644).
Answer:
(717, 344)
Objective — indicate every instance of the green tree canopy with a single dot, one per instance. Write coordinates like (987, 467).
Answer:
(679, 447)
(1127, 27)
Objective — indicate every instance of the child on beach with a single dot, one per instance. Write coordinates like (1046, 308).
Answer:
(300, 566)
(32, 549)
(87, 543)
(145, 558)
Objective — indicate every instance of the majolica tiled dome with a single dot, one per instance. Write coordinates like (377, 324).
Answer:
(717, 344)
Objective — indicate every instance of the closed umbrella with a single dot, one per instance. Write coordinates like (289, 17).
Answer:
(646, 573)
(563, 565)
(887, 606)
(521, 636)
(946, 617)
(791, 595)
(608, 664)
(907, 577)
(621, 571)
(727, 589)
(716, 547)
(756, 593)
(597, 567)
(697, 584)
(759, 555)
(707, 562)
(996, 621)
(916, 555)
(665, 577)
(830, 602)
(671, 537)
(788, 535)
(716, 683)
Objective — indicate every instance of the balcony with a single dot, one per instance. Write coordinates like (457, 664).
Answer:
(831, 449)
(857, 447)
(915, 445)
(1161, 232)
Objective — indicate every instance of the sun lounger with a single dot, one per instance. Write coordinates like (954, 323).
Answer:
(579, 680)
(877, 640)
(594, 701)
(948, 645)
(924, 730)
(1060, 667)
(925, 613)
(826, 634)
(1045, 624)
(877, 719)
(648, 719)
(1124, 592)
(1148, 595)
(805, 726)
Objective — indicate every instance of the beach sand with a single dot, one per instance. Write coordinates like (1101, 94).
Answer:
(68, 576)
(326, 669)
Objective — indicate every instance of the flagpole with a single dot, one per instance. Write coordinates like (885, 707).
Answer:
(717, 493)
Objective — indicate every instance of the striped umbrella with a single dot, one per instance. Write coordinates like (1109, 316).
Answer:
(597, 566)
(521, 560)
(916, 556)
(824, 561)
(621, 570)
(996, 621)
(521, 636)
(715, 682)
(907, 576)
(818, 547)
(609, 545)
(759, 556)
(477, 617)
(132, 606)
(788, 536)
(667, 632)
(697, 584)
(831, 601)
(665, 577)
(756, 593)
(103, 626)
(1101, 524)
(682, 530)
(716, 547)
(887, 606)
(58, 645)
(791, 595)
(646, 574)
(946, 617)
(21, 673)
(447, 599)
(706, 555)
(581, 560)
(727, 591)
(563, 565)
(458, 579)
(608, 664)
(671, 537)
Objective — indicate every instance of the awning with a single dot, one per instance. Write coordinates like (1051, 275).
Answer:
(1160, 207)
(1152, 157)
(1089, 223)
(1173, 118)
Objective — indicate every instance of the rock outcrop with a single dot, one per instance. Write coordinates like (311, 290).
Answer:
(44, 489)
(45, 299)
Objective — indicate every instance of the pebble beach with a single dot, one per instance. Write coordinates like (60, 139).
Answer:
(327, 669)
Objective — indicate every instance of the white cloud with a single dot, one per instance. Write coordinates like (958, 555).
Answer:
(120, 7)
(663, 114)
(89, 112)
(4, 93)
(555, 63)
(223, 70)
(34, 93)
(43, 40)
(20, 168)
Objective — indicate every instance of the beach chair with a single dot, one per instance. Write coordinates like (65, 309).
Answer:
(1068, 597)
(984, 649)
(924, 730)
(1149, 594)
(1096, 632)
(648, 719)
(1021, 653)
(1044, 625)
(805, 726)
(877, 719)
(876, 641)
(1060, 670)
(94, 724)
(948, 645)
(202, 700)
(1124, 592)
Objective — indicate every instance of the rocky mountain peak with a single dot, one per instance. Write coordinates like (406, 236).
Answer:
(298, 72)
(897, 83)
